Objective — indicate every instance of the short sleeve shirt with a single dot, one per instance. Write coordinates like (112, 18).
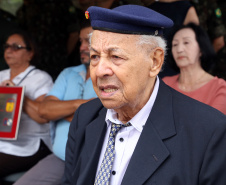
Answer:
(69, 85)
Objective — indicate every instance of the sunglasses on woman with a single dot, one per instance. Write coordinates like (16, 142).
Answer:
(15, 47)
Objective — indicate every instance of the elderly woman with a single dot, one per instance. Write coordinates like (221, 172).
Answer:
(33, 135)
(193, 55)
(181, 12)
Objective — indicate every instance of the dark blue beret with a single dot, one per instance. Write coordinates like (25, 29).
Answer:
(128, 19)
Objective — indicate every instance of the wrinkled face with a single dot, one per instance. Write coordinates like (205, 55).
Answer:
(185, 48)
(120, 71)
(21, 57)
(84, 48)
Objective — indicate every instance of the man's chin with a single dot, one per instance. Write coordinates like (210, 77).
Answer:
(109, 103)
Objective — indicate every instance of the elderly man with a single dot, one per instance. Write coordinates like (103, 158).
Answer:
(140, 131)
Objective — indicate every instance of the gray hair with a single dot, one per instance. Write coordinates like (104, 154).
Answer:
(152, 42)
(90, 36)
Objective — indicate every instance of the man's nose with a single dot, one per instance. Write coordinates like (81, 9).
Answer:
(104, 68)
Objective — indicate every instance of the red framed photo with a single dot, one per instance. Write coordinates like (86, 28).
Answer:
(11, 102)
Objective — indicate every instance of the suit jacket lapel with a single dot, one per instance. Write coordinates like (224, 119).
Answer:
(95, 133)
(151, 151)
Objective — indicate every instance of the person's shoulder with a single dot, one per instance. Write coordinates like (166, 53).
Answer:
(3, 74)
(41, 74)
(94, 105)
(190, 109)
(219, 81)
(217, 84)
(90, 110)
(73, 69)
(4, 71)
(170, 79)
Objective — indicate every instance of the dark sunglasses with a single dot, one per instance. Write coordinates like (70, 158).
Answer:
(15, 47)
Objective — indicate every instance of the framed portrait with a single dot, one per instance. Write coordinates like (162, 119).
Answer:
(11, 102)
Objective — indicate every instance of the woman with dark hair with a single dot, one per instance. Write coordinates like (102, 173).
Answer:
(33, 139)
(193, 56)
(181, 13)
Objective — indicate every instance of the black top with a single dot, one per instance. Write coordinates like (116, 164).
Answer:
(176, 11)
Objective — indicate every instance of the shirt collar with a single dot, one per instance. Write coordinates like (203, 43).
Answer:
(139, 120)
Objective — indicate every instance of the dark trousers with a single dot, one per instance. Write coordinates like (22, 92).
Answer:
(11, 164)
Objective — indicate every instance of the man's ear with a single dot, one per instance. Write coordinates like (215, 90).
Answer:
(157, 56)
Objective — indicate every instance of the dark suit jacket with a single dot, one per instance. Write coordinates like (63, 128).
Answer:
(182, 143)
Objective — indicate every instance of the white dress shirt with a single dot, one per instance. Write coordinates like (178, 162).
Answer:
(30, 133)
(127, 138)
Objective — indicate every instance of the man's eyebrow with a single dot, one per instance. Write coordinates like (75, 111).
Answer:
(113, 49)
(106, 50)
(92, 49)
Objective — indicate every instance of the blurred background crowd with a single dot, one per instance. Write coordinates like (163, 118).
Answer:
(55, 26)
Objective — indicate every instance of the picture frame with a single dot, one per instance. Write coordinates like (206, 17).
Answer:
(11, 103)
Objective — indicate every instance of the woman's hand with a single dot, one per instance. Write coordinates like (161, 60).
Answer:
(7, 83)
